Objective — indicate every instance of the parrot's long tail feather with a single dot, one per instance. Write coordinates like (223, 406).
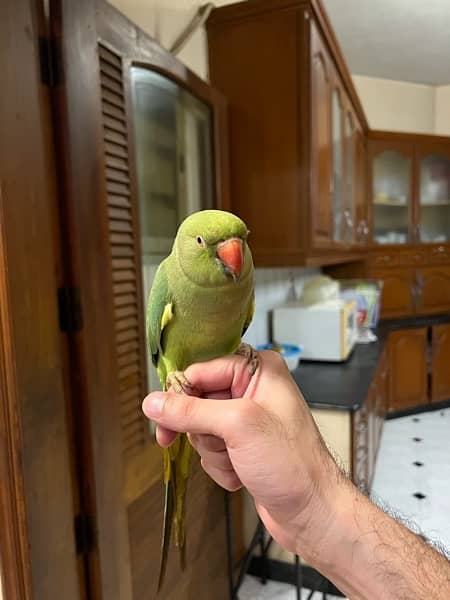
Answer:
(169, 508)
(169, 505)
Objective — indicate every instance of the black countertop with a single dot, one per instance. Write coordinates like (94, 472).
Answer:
(339, 386)
(344, 386)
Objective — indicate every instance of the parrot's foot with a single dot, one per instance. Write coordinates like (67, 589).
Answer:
(250, 354)
(178, 381)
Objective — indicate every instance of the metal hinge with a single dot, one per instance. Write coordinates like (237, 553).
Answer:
(69, 306)
(84, 533)
(50, 62)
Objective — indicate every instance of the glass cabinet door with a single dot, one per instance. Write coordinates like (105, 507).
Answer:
(173, 146)
(434, 200)
(173, 135)
(337, 176)
(349, 211)
(391, 197)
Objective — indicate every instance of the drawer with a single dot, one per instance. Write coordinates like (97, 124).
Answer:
(439, 254)
(387, 259)
(410, 258)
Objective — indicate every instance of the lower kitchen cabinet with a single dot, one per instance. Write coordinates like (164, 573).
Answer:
(419, 366)
(408, 380)
(440, 370)
(367, 425)
(433, 290)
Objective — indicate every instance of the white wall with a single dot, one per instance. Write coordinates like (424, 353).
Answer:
(403, 106)
(164, 20)
(442, 110)
(396, 105)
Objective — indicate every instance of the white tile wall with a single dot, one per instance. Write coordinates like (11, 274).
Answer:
(273, 287)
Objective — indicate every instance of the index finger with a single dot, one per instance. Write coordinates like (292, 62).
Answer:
(220, 375)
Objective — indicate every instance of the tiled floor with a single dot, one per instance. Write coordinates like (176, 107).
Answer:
(252, 589)
(412, 478)
(412, 475)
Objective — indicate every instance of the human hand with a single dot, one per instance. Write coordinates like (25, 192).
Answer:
(255, 431)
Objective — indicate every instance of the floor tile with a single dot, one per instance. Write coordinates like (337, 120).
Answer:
(253, 589)
(412, 474)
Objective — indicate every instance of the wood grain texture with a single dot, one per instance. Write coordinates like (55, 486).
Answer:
(408, 384)
(121, 468)
(125, 262)
(205, 574)
(36, 495)
(440, 377)
(263, 56)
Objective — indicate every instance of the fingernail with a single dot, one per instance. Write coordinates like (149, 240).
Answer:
(153, 404)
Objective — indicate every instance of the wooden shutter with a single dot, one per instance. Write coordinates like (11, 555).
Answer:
(121, 470)
(126, 277)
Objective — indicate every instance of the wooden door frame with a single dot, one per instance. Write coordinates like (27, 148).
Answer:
(37, 550)
(78, 30)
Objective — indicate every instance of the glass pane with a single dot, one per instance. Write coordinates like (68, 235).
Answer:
(174, 166)
(337, 164)
(173, 131)
(391, 197)
(349, 168)
(435, 199)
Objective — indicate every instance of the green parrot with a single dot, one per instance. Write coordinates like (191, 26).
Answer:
(200, 305)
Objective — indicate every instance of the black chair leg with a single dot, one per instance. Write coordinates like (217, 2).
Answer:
(298, 577)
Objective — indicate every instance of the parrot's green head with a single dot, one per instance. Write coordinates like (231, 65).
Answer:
(211, 248)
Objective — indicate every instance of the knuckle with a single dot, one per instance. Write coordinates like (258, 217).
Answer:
(278, 360)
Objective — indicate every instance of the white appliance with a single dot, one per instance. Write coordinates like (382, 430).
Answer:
(326, 331)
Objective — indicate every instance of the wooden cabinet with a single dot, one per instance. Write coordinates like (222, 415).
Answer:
(391, 190)
(106, 153)
(295, 127)
(416, 280)
(408, 380)
(397, 297)
(360, 453)
(409, 189)
(440, 375)
(367, 425)
(433, 289)
(321, 159)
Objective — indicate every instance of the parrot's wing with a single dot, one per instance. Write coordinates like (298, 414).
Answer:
(250, 313)
(159, 312)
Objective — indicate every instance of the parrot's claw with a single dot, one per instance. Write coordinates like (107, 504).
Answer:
(250, 354)
(178, 381)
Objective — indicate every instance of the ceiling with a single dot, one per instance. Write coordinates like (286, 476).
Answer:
(406, 40)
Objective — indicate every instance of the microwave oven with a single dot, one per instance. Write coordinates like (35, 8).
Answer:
(326, 331)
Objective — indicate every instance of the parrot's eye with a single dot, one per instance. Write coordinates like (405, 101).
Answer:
(201, 241)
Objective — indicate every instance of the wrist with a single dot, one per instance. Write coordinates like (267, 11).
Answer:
(317, 521)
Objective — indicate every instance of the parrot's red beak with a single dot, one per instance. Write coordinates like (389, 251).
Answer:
(231, 254)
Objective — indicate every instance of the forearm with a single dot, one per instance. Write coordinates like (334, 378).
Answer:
(369, 555)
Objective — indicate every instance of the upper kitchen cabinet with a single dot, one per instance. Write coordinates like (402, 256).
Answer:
(297, 131)
(433, 219)
(391, 187)
(410, 188)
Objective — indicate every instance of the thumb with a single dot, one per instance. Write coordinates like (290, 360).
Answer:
(183, 414)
